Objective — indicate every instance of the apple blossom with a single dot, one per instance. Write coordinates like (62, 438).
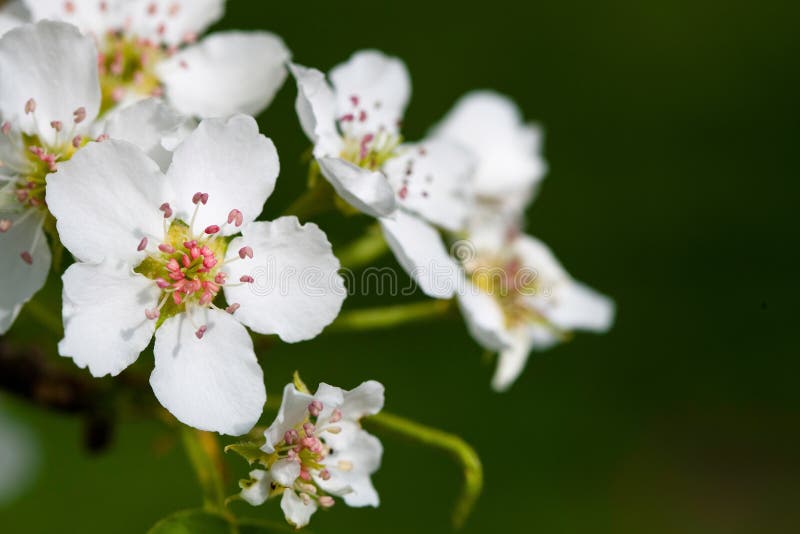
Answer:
(518, 298)
(316, 449)
(151, 47)
(49, 100)
(354, 123)
(155, 252)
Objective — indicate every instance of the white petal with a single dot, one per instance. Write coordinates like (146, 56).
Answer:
(285, 472)
(146, 124)
(20, 281)
(367, 191)
(213, 383)
(331, 398)
(434, 180)
(350, 470)
(484, 317)
(260, 486)
(582, 308)
(297, 290)
(225, 73)
(292, 412)
(296, 511)
(229, 160)
(171, 21)
(316, 109)
(566, 303)
(510, 164)
(85, 14)
(105, 328)
(381, 87)
(55, 65)
(366, 399)
(511, 361)
(105, 200)
(419, 249)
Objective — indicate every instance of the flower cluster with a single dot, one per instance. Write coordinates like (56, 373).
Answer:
(128, 140)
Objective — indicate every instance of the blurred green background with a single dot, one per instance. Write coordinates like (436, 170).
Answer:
(672, 129)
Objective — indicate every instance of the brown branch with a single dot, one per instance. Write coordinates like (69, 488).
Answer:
(27, 373)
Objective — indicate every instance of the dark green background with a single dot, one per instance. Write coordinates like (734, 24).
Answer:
(671, 135)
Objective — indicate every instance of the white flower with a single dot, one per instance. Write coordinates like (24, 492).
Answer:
(318, 449)
(150, 47)
(49, 100)
(519, 298)
(154, 253)
(508, 152)
(19, 459)
(354, 123)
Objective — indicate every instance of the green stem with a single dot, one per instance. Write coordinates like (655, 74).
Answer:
(205, 455)
(318, 198)
(453, 445)
(364, 250)
(389, 316)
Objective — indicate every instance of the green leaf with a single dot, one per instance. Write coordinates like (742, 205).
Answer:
(250, 451)
(202, 522)
(193, 522)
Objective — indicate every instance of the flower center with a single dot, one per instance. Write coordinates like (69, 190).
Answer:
(305, 444)
(127, 64)
(510, 284)
(31, 159)
(187, 268)
(368, 150)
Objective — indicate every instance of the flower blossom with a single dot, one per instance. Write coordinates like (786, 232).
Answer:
(151, 48)
(316, 449)
(412, 188)
(49, 101)
(157, 252)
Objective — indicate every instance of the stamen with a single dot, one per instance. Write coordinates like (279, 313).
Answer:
(326, 501)
(211, 230)
(325, 474)
(166, 248)
(79, 115)
(235, 217)
(30, 106)
(200, 197)
(26, 257)
(5, 225)
(76, 141)
(247, 279)
(246, 252)
(315, 408)
(233, 308)
(165, 207)
(290, 436)
(142, 244)
(6, 128)
(201, 332)
(56, 125)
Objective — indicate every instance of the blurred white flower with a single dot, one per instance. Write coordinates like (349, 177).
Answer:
(154, 251)
(19, 458)
(354, 123)
(317, 449)
(49, 100)
(518, 298)
(510, 165)
(151, 47)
